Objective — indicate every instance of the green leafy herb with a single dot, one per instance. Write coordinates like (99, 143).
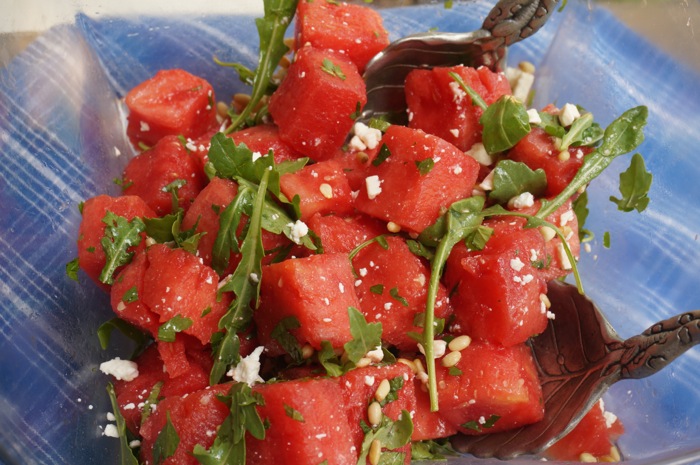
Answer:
(72, 268)
(120, 235)
(173, 188)
(168, 229)
(454, 371)
(281, 333)
(177, 324)
(104, 334)
(331, 68)
(580, 208)
(329, 360)
(419, 249)
(151, 401)
(229, 445)
(395, 385)
(391, 434)
(294, 414)
(131, 295)
(512, 178)
(461, 219)
(424, 166)
(365, 336)
(377, 289)
(478, 426)
(622, 136)
(432, 450)
(271, 29)
(127, 454)
(505, 123)
(606, 239)
(166, 443)
(394, 293)
(635, 183)
(379, 122)
(381, 157)
(381, 240)
(477, 239)
(245, 289)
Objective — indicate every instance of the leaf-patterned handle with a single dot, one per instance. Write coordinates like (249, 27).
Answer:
(649, 352)
(513, 20)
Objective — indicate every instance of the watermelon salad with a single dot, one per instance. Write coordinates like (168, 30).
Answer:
(307, 288)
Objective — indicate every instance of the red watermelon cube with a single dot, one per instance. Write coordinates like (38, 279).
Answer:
(343, 234)
(315, 103)
(438, 105)
(171, 103)
(353, 30)
(421, 176)
(317, 291)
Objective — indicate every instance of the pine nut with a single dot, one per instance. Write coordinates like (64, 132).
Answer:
(459, 343)
(289, 42)
(587, 458)
(564, 155)
(361, 157)
(374, 413)
(383, 390)
(451, 359)
(285, 62)
(222, 109)
(526, 67)
(393, 227)
(408, 363)
(307, 351)
(545, 300)
(375, 452)
(363, 362)
(547, 233)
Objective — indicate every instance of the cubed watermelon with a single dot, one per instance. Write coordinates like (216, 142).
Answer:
(491, 388)
(343, 234)
(356, 31)
(307, 424)
(320, 304)
(315, 103)
(392, 288)
(438, 105)
(171, 103)
(496, 292)
(420, 177)
(321, 187)
(168, 164)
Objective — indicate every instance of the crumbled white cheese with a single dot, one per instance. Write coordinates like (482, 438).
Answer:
(454, 132)
(523, 200)
(568, 114)
(365, 137)
(298, 230)
(516, 264)
(376, 355)
(248, 369)
(479, 153)
(533, 116)
(123, 370)
(457, 91)
(145, 127)
(373, 185)
(111, 431)
(563, 257)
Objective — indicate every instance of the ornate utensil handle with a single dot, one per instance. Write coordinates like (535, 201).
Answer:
(515, 20)
(649, 352)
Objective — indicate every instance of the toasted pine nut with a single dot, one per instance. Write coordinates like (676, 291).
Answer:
(451, 359)
(383, 390)
(374, 413)
(459, 343)
(526, 67)
(307, 351)
(375, 452)
(564, 155)
(363, 362)
(393, 227)
(587, 458)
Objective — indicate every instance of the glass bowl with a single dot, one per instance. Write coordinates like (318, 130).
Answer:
(62, 141)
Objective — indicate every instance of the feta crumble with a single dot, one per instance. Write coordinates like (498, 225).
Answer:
(248, 369)
(373, 185)
(122, 370)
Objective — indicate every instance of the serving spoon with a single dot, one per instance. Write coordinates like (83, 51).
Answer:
(579, 356)
(507, 23)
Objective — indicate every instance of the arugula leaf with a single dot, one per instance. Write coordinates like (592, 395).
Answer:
(245, 289)
(281, 333)
(477, 239)
(294, 414)
(432, 450)
(381, 157)
(505, 123)
(394, 293)
(127, 456)
(104, 334)
(606, 239)
(131, 295)
(168, 229)
(391, 434)
(395, 385)
(635, 183)
(168, 330)
(72, 268)
(512, 178)
(622, 136)
(271, 29)
(174, 188)
(366, 336)
(226, 240)
(166, 443)
(425, 166)
(229, 445)
(580, 208)
(419, 249)
(329, 360)
(479, 425)
(377, 289)
(462, 219)
(120, 235)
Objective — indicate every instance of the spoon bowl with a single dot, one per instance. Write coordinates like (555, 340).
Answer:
(579, 356)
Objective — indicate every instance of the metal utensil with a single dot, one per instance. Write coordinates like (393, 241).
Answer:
(507, 23)
(579, 356)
